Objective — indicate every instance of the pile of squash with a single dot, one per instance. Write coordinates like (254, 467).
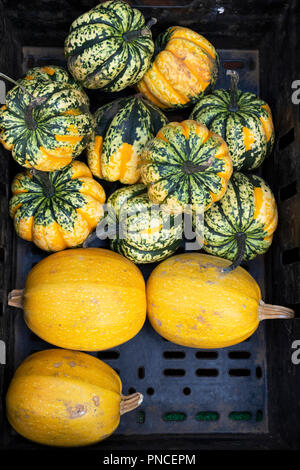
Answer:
(90, 299)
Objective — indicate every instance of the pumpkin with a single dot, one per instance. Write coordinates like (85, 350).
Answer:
(123, 127)
(241, 225)
(186, 164)
(142, 232)
(193, 302)
(45, 123)
(185, 67)
(87, 299)
(56, 210)
(243, 120)
(110, 46)
(66, 398)
(52, 73)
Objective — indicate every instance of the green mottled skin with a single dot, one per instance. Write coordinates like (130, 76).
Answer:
(60, 207)
(132, 210)
(60, 75)
(97, 53)
(233, 214)
(50, 118)
(213, 111)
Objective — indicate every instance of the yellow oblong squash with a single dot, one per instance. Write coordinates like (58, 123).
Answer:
(87, 299)
(66, 398)
(192, 302)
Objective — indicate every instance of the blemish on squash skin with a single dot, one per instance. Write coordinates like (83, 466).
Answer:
(57, 364)
(77, 411)
(94, 301)
(158, 322)
(72, 364)
(201, 319)
(96, 400)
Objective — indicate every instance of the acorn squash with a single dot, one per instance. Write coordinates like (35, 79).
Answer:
(123, 128)
(186, 165)
(184, 68)
(110, 46)
(243, 120)
(241, 225)
(56, 210)
(137, 229)
(45, 123)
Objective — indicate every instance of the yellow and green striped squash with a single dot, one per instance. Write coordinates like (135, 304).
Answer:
(56, 210)
(109, 47)
(46, 123)
(241, 225)
(145, 233)
(247, 128)
(122, 130)
(184, 68)
(186, 164)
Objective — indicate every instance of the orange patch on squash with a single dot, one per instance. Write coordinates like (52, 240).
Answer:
(258, 198)
(29, 77)
(249, 138)
(185, 129)
(71, 112)
(48, 70)
(126, 153)
(150, 231)
(71, 139)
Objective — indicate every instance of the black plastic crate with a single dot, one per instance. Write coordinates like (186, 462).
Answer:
(244, 396)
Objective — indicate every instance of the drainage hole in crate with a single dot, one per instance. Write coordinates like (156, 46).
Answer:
(207, 416)
(207, 372)
(150, 391)
(258, 372)
(108, 355)
(286, 139)
(206, 355)
(141, 372)
(288, 191)
(239, 372)
(233, 64)
(240, 415)
(259, 415)
(174, 372)
(131, 390)
(174, 416)
(140, 417)
(291, 256)
(174, 354)
(186, 391)
(239, 354)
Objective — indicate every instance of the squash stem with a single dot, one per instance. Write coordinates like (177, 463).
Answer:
(145, 31)
(240, 238)
(268, 311)
(189, 167)
(44, 178)
(130, 402)
(35, 101)
(16, 298)
(233, 106)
